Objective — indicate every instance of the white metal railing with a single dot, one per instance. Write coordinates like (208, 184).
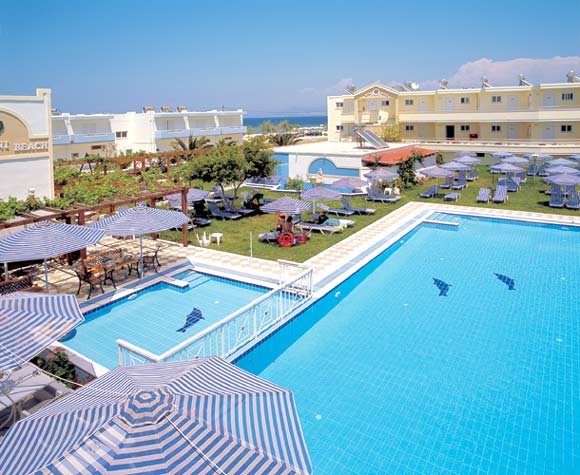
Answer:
(498, 141)
(237, 330)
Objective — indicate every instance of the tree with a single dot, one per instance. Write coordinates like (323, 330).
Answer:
(267, 127)
(374, 162)
(225, 166)
(258, 156)
(392, 132)
(282, 139)
(406, 170)
(193, 143)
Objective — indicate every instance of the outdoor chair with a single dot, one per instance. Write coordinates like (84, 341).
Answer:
(217, 193)
(500, 195)
(321, 228)
(573, 201)
(557, 200)
(461, 183)
(94, 277)
(484, 195)
(375, 195)
(20, 284)
(347, 206)
(336, 211)
(152, 259)
(448, 182)
(221, 214)
(228, 206)
(431, 192)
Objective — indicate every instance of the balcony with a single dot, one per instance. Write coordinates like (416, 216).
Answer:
(209, 132)
(93, 138)
(61, 139)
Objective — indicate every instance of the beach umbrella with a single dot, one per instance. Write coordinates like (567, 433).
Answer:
(30, 322)
(515, 160)
(193, 195)
(381, 174)
(563, 179)
(455, 166)
(562, 162)
(562, 170)
(501, 154)
(467, 160)
(576, 156)
(44, 240)
(506, 168)
(320, 193)
(350, 182)
(140, 220)
(286, 205)
(537, 156)
(203, 416)
(437, 172)
(465, 154)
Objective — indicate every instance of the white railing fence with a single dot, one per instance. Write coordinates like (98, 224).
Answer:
(237, 330)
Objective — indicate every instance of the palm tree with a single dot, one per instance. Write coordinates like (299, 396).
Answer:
(282, 139)
(196, 143)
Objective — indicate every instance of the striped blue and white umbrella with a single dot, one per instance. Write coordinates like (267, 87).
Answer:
(465, 154)
(537, 156)
(350, 182)
(506, 168)
(562, 170)
(204, 416)
(31, 322)
(516, 160)
(319, 193)
(576, 156)
(381, 174)
(193, 194)
(46, 239)
(467, 160)
(564, 162)
(501, 154)
(455, 166)
(140, 220)
(286, 205)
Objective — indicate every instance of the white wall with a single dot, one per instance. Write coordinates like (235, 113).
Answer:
(21, 174)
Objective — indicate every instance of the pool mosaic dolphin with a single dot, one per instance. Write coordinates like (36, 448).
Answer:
(506, 280)
(193, 317)
(442, 286)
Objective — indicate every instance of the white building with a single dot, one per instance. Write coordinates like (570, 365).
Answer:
(25, 146)
(79, 135)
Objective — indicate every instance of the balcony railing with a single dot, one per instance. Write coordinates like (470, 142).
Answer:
(61, 139)
(93, 138)
(498, 141)
(242, 328)
(199, 132)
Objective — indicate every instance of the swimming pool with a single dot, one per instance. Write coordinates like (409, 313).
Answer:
(390, 377)
(152, 318)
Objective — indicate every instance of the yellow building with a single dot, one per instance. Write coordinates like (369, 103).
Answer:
(545, 116)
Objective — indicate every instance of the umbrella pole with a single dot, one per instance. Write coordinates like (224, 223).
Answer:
(6, 271)
(46, 275)
(141, 255)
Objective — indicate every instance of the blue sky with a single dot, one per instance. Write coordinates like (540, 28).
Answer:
(272, 57)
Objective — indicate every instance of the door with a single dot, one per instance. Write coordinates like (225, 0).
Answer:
(449, 131)
(548, 132)
(513, 102)
(449, 103)
(512, 132)
(549, 100)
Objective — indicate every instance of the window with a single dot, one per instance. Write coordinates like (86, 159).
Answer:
(121, 134)
(465, 128)
(339, 127)
(386, 103)
(96, 147)
(465, 100)
(409, 128)
(496, 99)
(567, 96)
(409, 102)
(496, 128)
(74, 155)
(565, 128)
(339, 104)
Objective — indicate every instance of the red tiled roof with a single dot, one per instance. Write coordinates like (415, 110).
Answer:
(396, 155)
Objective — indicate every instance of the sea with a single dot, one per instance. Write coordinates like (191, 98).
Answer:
(302, 121)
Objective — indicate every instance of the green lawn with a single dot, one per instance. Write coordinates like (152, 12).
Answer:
(237, 233)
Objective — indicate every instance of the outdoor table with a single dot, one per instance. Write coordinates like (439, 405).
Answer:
(217, 237)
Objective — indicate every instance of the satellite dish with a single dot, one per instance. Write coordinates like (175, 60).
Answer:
(414, 86)
(572, 76)
(444, 83)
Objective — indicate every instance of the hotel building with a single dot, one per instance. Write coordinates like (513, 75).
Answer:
(79, 135)
(485, 118)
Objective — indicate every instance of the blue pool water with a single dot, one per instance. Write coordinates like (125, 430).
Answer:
(392, 378)
(151, 319)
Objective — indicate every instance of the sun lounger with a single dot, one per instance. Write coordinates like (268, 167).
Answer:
(355, 209)
(461, 183)
(431, 192)
(472, 175)
(573, 201)
(228, 206)
(452, 196)
(513, 184)
(532, 170)
(569, 190)
(217, 193)
(220, 214)
(484, 195)
(270, 238)
(543, 170)
(522, 177)
(500, 195)
(557, 200)
(336, 211)
(321, 228)
(448, 182)
(375, 195)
